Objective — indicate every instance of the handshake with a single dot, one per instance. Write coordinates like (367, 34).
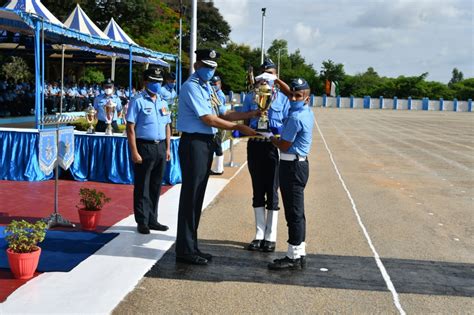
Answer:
(265, 134)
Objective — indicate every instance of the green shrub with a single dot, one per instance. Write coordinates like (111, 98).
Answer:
(92, 199)
(23, 237)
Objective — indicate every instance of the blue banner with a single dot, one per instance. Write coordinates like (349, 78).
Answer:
(48, 150)
(66, 147)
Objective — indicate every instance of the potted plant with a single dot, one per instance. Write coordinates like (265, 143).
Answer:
(89, 207)
(23, 251)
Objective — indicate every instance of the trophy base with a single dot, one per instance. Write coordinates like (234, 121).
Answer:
(263, 126)
(109, 131)
(90, 131)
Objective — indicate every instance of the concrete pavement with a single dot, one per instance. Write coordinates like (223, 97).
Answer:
(399, 186)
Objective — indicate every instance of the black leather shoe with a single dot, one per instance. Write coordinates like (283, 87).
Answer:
(268, 246)
(215, 173)
(287, 264)
(205, 255)
(191, 259)
(158, 227)
(255, 245)
(143, 229)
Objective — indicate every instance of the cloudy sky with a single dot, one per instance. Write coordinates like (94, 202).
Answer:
(396, 37)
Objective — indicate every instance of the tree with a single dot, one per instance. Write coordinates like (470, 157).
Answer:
(331, 71)
(17, 70)
(457, 76)
(464, 89)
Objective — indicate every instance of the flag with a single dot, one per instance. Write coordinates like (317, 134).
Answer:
(66, 147)
(48, 150)
(334, 89)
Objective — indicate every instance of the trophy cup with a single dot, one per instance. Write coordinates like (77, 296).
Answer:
(109, 110)
(90, 117)
(263, 98)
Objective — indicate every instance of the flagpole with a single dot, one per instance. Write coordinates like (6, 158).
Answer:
(263, 34)
(192, 55)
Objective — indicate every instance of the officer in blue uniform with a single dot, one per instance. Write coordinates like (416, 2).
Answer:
(219, 96)
(99, 104)
(263, 163)
(295, 145)
(198, 120)
(148, 134)
(168, 91)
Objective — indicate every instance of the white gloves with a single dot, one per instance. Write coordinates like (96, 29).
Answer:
(268, 134)
(266, 76)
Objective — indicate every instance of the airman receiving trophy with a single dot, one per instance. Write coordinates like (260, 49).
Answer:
(90, 117)
(263, 98)
(109, 109)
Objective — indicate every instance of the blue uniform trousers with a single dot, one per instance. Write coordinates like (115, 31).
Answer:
(195, 158)
(293, 178)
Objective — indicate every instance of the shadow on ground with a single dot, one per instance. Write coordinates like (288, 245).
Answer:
(232, 262)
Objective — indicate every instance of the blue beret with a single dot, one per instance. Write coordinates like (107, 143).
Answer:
(268, 64)
(207, 56)
(299, 84)
(215, 79)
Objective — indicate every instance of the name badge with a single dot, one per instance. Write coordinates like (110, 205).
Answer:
(164, 111)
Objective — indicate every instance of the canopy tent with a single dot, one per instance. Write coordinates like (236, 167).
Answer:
(115, 32)
(79, 20)
(43, 25)
(33, 7)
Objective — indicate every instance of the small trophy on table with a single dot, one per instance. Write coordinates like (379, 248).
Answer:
(90, 117)
(109, 109)
(263, 98)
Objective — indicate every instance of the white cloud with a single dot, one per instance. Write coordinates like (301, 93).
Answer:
(305, 34)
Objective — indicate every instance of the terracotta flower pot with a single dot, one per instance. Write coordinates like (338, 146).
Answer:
(23, 265)
(89, 219)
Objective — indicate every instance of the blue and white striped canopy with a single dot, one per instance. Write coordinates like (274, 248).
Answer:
(34, 7)
(115, 32)
(79, 20)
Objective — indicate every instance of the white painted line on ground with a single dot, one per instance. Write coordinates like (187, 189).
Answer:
(378, 261)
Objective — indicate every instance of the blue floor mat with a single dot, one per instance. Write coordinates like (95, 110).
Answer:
(62, 250)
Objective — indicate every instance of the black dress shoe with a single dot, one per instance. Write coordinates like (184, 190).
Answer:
(215, 173)
(191, 259)
(205, 255)
(288, 264)
(143, 229)
(268, 246)
(255, 245)
(158, 227)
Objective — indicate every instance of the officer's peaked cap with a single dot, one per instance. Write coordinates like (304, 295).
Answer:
(207, 56)
(268, 64)
(215, 79)
(108, 82)
(299, 84)
(153, 75)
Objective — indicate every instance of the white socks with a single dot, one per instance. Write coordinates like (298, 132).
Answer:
(218, 164)
(260, 222)
(271, 226)
(296, 251)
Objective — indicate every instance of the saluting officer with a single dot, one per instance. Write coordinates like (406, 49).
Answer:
(218, 164)
(263, 163)
(295, 145)
(101, 100)
(198, 120)
(148, 134)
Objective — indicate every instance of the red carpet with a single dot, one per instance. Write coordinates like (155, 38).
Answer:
(35, 200)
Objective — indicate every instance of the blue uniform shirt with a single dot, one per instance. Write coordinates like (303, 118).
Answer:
(194, 102)
(221, 96)
(277, 112)
(150, 118)
(298, 129)
(168, 94)
(101, 100)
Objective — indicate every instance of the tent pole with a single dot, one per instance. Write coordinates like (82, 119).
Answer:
(130, 73)
(62, 80)
(42, 69)
(112, 71)
(37, 75)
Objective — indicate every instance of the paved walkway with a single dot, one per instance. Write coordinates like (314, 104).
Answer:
(389, 209)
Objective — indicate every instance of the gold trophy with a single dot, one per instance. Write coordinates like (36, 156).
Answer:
(263, 98)
(109, 110)
(90, 117)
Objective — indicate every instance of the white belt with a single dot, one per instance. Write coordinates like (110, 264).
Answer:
(291, 157)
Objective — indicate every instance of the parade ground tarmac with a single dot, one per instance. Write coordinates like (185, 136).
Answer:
(389, 215)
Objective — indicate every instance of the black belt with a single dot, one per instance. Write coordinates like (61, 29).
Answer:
(201, 136)
(260, 140)
(149, 141)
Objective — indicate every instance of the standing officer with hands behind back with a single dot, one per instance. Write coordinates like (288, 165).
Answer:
(148, 134)
(198, 121)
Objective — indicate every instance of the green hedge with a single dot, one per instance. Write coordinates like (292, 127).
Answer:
(81, 124)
